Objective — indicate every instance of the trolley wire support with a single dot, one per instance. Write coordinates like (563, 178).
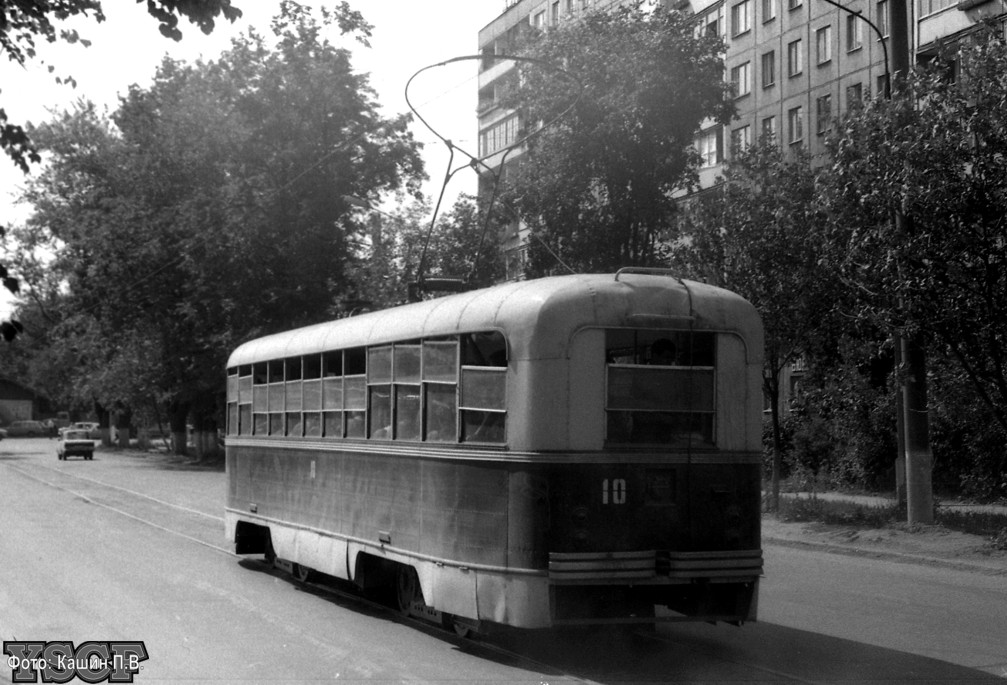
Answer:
(422, 284)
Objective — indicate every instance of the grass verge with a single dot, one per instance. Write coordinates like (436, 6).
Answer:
(991, 525)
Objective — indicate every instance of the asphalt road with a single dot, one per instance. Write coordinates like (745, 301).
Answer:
(130, 548)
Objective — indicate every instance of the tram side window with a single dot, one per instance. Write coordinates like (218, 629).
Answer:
(406, 380)
(440, 389)
(245, 400)
(660, 388)
(379, 392)
(311, 395)
(233, 383)
(482, 396)
(332, 394)
(293, 402)
(260, 398)
(277, 397)
(355, 392)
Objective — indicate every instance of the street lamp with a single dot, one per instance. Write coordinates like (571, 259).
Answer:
(913, 433)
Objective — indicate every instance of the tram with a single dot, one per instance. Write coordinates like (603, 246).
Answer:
(576, 449)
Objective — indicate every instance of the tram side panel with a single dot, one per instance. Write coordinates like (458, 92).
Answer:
(448, 508)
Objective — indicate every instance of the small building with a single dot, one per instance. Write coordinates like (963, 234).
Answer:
(16, 402)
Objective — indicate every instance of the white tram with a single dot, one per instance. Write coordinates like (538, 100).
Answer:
(575, 449)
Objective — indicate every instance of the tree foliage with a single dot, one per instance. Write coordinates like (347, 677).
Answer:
(596, 187)
(937, 153)
(23, 23)
(459, 246)
(756, 234)
(210, 209)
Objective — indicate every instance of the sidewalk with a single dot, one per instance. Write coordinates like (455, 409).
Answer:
(887, 501)
(919, 544)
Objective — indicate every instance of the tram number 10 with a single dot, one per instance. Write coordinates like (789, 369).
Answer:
(613, 491)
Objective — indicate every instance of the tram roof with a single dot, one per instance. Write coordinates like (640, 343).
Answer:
(537, 316)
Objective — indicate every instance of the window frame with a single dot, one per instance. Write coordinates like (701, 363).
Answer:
(741, 79)
(854, 33)
(823, 45)
(823, 113)
(768, 11)
(795, 125)
(795, 58)
(771, 55)
(741, 18)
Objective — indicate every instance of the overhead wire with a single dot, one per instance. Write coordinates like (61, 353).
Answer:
(481, 161)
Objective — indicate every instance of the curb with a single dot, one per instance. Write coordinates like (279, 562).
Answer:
(899, 557)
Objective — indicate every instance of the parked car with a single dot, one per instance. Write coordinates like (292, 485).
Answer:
(3, 433)
(74, 443)
(91, 427)
(26, 429)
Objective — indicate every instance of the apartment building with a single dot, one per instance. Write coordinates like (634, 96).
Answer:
(795, 65)
(500, 128)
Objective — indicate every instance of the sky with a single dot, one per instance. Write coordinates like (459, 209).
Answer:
(407, 36)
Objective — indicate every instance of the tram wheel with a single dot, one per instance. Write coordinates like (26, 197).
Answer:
(407, 588)
(461, 628)
(302, 573)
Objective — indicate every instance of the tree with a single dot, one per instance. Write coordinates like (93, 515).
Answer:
(755, 234)
(936, 152)
(23, 22)
(597, 186)
(211, 209)
(460, 246)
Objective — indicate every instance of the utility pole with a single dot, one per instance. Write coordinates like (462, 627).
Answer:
(916, 441)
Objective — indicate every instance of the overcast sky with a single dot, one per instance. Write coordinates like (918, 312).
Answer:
(408, 35)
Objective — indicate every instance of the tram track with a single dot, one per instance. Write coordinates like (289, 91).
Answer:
(514, 647)
(154, 512)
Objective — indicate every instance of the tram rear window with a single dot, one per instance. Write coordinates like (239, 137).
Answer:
(660, 388)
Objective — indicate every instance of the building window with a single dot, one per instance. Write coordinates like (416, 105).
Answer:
(928, 7)
(769, 128)
(712, 24)
(554, 14)
(823, 108)
(741, 79)
(823, 44)
(710, 148)
(741, 18)
(854, 96)
(768, 10)
(768, 68)
(854, 32)
(794, 58)
(793, 4)
(499, 136)
(883, 85)
(741, 138)
(881, 17)
(795, 125)
(538, 20)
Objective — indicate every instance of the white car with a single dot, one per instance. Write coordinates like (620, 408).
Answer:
(74, 442)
